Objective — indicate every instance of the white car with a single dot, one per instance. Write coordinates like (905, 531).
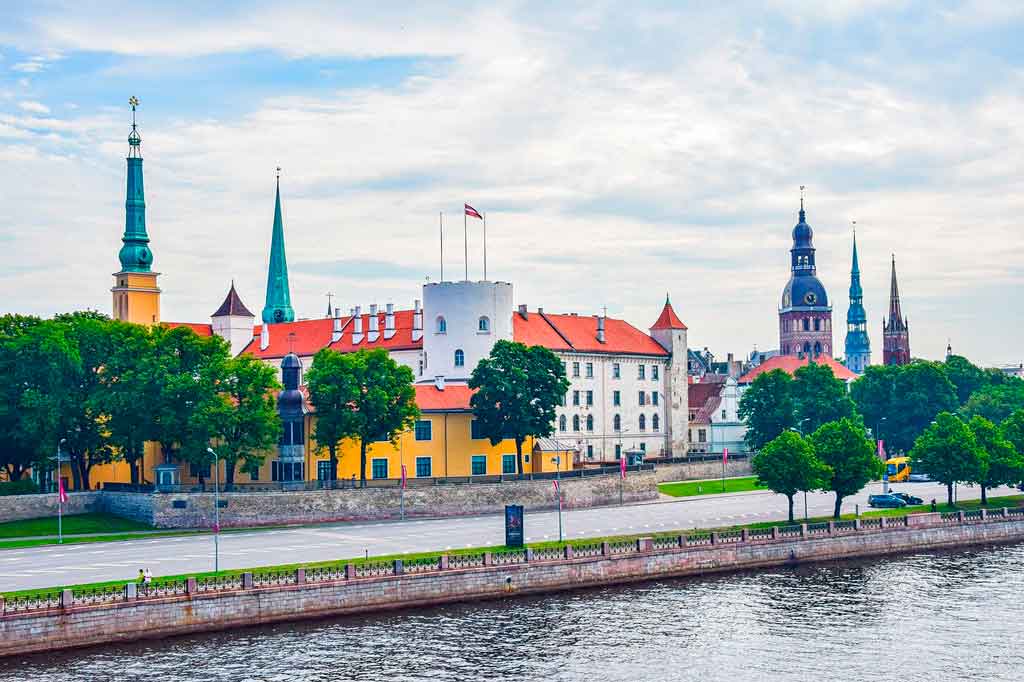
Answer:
(919, 478)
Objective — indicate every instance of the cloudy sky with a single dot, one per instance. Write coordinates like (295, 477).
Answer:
(621, 151)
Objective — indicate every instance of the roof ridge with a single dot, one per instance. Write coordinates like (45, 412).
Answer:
(557, 330)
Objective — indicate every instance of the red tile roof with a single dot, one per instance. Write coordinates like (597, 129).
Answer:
(791, 363)
(309, 337)
(703, 399)
(402, 340)
(579, 333)
(199, 329)
(454, 397)
(668, 318)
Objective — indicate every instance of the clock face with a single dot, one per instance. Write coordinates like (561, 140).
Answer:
(810, 298)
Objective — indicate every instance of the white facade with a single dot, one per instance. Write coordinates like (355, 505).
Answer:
(727, 431)
(461, 322)
(235, 329)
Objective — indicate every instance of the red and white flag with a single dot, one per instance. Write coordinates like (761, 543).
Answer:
(403, 477)
(881, 450)
(555, 483)
(472, 212)
(622, 467)
(725, 456)
(62, 494)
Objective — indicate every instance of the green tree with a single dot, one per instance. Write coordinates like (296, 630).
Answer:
(965, 376)
(907, 397)
(1012, 430)
(996, 402)
(819, 397)
(788, 464)
(849, 455)
(949, 452)
(1001, 464)
(516, 391)
(242, 418)
(767, 408)
(365, 395)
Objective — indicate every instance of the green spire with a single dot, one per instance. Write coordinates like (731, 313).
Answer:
(856, 292)
(278, 307)
(135, 255)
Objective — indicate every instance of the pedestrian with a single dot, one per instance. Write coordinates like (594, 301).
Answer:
(933, 504)
(142, 577)
(148, 577)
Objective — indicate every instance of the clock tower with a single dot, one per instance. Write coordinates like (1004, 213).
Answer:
(805, 316)
(136, 294)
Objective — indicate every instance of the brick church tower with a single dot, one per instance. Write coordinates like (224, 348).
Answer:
(805, 317)
(895, 331)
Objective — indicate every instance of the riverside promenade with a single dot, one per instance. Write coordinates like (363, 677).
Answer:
(66, 619)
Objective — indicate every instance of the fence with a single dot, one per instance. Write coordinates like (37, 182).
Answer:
(341, 572)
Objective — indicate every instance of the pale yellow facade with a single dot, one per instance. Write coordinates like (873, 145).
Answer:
(136, 297)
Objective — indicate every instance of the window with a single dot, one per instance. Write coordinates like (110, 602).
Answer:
(590, 452)
(562, 421)
(380, 468)
(693, 415)
(807, 324)
(254, 475)
(442, 326)
(483, 325)
(423, 431)
(292, 432)
(576, 369)
(641, 398)
(654, 422)
(702, 436)
(590, 422)
(616, 398)
(475, 431)
(654, 397)
(423, 467)
(817, 324)
(643, 423)
(617, 423)
(616, 371)
(460, 358)
(590, 397)
(479, 465)
(641, 372)
(590, 370)
(689, 436)
(817, 348)
(285, 471)
(654, 372)
(198, 470)
(724, 415)
(618, 451)
(575, 397)
(643, 447)
(575, 422)
(807, 347)
(508, 464)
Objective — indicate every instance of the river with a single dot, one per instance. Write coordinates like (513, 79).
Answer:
(930, 616)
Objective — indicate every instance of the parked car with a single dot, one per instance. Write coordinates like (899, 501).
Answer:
(909, 499)
(919, 478)
(886, 501)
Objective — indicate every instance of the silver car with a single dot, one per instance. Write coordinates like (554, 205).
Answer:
(919, 478)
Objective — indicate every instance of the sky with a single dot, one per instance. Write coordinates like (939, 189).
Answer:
(621, 151)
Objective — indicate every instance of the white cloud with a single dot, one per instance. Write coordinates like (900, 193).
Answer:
(34, 107)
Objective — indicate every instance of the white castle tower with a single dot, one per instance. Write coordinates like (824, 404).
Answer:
(461, 322)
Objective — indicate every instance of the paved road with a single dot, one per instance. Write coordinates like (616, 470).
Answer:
(83, 563)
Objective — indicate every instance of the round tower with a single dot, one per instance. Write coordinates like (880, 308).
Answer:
(461, 322)
(805, 317)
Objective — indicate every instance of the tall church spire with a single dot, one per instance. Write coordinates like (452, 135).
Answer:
(858, 346)
(278, 307)
(135, 255)
(895, 331)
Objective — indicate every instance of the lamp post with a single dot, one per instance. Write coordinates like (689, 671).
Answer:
(60, 496)
(216, 510)
(800, 433)
(878, 439)
(557, 459)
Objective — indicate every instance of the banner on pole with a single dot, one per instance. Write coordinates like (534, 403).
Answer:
(622, 467)
(881, 450)
(403, 477)
(725, 456)
(62, 494)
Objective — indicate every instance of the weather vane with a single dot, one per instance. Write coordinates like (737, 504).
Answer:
(854, 227)
(278, 171)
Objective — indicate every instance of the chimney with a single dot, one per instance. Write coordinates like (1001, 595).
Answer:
(357, 332)
(439, 382)
(540, 311)
(336, 326)
(522, 311)
(417, 321)
(374, 332)
(389, 321)
(265, 337)
(600, 328)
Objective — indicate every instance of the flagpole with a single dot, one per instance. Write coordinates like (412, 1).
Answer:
(465, 243)
(440, 225)
(485, 247)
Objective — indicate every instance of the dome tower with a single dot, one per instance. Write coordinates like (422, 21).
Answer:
(805, 316)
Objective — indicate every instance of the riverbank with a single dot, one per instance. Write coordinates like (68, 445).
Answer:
(65, 619)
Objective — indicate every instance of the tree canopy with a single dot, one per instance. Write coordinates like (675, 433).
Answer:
(788, 464)
(819, 397)
(767, 408)
(996, 401)
(517, 389)
(849, 455)
(965, 376)
(948, 451)
(1000, 462)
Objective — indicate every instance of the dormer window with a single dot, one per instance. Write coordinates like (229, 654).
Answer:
(442, 325)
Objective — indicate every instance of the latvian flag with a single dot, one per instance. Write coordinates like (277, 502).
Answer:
(472, 212)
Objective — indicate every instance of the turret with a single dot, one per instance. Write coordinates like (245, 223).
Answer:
(670, 332)
(233, 322)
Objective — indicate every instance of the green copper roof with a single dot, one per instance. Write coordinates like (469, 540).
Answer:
(135, 255)
(857, 341)
(278, 307)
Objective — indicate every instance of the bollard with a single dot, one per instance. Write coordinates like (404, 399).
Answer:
(488, 559)
(831, 527)
(960, 516)
(444, 562)
(300, 576)
(399, 567)
(803, 530)
(350, 571)
(67, 599)
(131, 591)
(744, 535)
(984, 514)
(606, 549)
(644, 545)
(191, 586)
(714, 538)
(2, 604)
(682, 541)
(568, 552)
(856, 524)
(1005, 512)
(247, 581)
(775, 532)
(529, 555)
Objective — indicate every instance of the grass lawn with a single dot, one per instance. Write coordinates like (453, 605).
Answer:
(711, 487)
(73, 525)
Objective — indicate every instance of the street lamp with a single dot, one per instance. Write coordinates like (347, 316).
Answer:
(557, 459)
(878, 439)
(216, 510)
(60, 501)
(796, 430)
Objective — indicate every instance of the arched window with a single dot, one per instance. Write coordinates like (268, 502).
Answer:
(617, 423)
(807, 347)
(817, 324)
(817, 348)
(460, 357)
(442, 325)
(807, 324)
(654, 422)
(561, 423)
(483, 324)
(643, 422)
(575, 422)
(590, 422)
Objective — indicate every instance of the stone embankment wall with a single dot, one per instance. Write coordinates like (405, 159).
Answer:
(689, 471)
(65, 621)
(20, 507)
(195, 510)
